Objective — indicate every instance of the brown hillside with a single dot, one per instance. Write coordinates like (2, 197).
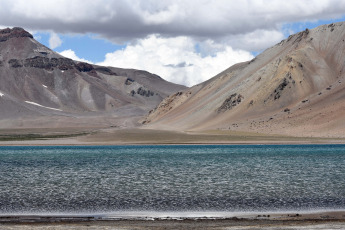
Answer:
(297, 88)
(42, 89)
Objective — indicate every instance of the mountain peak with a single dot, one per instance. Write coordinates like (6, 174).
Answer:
(15, 32)
(41, 88)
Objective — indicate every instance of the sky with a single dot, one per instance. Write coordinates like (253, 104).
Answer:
(183, 41)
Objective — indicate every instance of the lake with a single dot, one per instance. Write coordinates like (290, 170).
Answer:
(172, 178)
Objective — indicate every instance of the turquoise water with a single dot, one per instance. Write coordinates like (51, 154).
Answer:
(236, 178)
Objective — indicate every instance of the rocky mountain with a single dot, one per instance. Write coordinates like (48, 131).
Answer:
(40, 88)
(296, 87)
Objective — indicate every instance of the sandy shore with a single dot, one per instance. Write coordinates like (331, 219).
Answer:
(317, 220)
(113, 136)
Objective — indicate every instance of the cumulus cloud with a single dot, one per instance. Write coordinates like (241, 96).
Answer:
(219, 28)
(72, 55)
(131, 19)
(54, 41)
(257, 40)
(124, 20)
(175, 59)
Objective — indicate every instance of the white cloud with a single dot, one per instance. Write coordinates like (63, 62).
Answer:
(124, 20)
(221, 28)
(257, 40)
(72, 55)
(54, 41)
(176, 59)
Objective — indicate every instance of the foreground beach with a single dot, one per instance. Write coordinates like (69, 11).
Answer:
(316, 220)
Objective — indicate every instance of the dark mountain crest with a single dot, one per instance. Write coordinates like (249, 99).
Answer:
(50, 63)
(42, 63)
(16, 32)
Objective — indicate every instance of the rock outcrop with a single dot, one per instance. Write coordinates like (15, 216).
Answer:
(16, 32)
(46, 63)
(230, 102)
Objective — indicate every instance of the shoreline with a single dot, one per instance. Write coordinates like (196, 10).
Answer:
(151, 137)
(322, 214)
(251, 220)
(69, 142)
(76, 143)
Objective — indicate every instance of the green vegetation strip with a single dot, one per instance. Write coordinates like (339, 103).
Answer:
(32, 136)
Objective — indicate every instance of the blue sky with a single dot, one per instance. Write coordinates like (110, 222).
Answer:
(93, 48)
(300, 26)
(185, 42)
(86, 46)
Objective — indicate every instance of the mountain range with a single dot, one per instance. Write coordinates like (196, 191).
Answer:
(295, 88)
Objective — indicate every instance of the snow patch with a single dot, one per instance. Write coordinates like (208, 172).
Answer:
(45, 86)
(33, 103)
(1, 94)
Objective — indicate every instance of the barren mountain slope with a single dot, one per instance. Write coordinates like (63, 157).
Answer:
(40, 88)
(297, 87)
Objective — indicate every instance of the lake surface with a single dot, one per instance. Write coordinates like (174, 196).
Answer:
(212, 178)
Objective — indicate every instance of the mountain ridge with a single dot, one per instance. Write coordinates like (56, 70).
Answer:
(41, 88)
(290, 89)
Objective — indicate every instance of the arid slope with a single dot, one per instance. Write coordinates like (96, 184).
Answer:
(296, 88)
(42, 89)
